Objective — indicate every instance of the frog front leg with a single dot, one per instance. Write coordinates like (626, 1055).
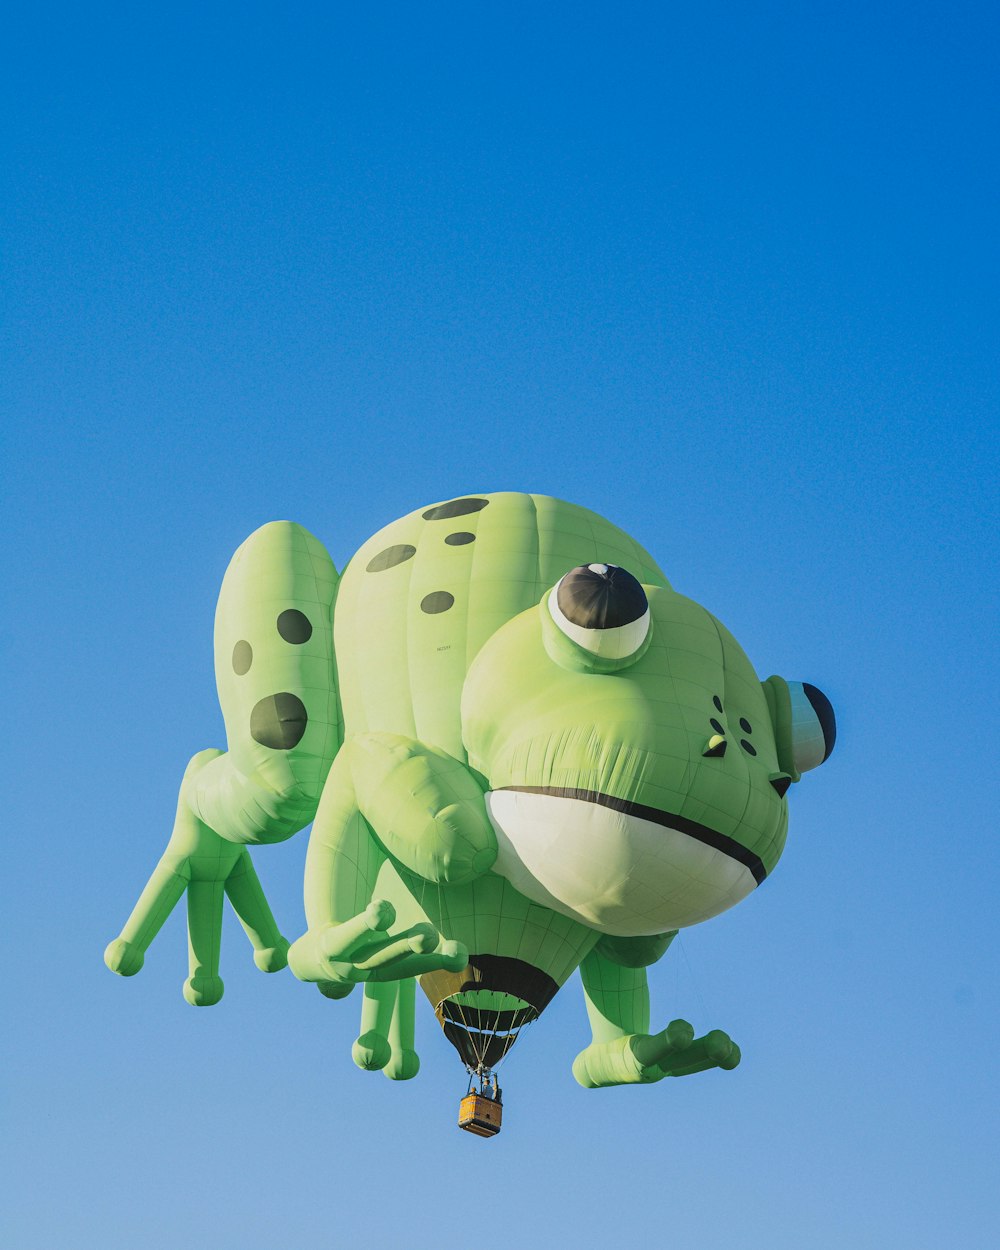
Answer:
(386, 796)
(622, 1050)
(426, 807)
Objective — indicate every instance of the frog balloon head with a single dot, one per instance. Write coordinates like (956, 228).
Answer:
(637, 767)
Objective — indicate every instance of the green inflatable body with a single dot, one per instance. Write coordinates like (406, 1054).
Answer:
(523, 753)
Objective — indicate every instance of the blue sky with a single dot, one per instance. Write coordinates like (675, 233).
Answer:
(727, 276)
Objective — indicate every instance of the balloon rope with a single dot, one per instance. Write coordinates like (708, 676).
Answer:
(697, 988)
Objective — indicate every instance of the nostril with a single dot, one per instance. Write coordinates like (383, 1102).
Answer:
(716, 747)
(279, 721)
(781, 782)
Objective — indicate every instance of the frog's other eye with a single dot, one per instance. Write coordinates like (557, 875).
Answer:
(814, 727)
(805, 728)
(603, 609)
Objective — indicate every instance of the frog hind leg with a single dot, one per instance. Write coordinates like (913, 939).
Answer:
(373, 1050)
(246, 895)
(387, 1026)
(404, 1062)
(203, 987)
(161, 894)
(168, 881)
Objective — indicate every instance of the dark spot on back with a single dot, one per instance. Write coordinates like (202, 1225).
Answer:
(279, 721)
(457, 507)
(460, 539)
(436, 601)
(745, 725)
(242, 658)
(716, 726)
(748, 747)
(294, 626)
(389, 558)
(718, 702)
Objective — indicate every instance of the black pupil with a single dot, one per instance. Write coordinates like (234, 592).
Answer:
(596, 599)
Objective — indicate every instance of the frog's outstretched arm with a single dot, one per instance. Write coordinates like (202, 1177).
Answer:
(427, 811)
(275, 676)
(622, 1051)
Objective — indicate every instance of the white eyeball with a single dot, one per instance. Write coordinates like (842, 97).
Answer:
(603, 609)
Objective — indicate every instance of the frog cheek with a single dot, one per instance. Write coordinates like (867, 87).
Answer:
(279, 721)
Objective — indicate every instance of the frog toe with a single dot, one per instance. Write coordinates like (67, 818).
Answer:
(202, 991)
(272, 958)
(379, 915)
(335, 989)
(402, 1066)
(123, 957)
(715, 1050)
(371, 1051)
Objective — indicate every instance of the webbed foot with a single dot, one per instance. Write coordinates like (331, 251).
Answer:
(642, 1058)
(361, 949)
(714, 1050)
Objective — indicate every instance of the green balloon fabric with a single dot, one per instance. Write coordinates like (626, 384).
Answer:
(525, 754)
(276, 681)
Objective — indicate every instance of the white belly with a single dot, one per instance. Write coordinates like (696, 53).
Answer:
(611, 870)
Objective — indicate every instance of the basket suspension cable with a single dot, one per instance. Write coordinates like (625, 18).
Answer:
(469, 1033)
(496, 1024)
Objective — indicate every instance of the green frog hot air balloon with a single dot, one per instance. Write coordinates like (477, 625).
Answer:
(529, 755)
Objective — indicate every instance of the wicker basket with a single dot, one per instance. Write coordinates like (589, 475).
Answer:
(480, 1115)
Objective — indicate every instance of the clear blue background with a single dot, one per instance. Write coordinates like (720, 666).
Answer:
(726, 274)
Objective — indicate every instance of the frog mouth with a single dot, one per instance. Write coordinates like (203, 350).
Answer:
(618, 866)
(703, 833)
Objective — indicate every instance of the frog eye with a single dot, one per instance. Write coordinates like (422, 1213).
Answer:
(814, 727)
(603, 609)
(805, 727)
